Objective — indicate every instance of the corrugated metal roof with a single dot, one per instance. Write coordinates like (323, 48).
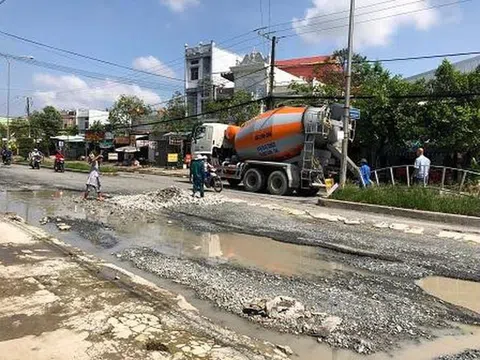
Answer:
(467, 65)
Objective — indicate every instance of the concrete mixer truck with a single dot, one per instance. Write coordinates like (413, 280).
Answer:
(282, 150)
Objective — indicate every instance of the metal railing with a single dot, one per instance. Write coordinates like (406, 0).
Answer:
(462, 181)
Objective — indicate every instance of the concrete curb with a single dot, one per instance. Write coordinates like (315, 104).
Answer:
(408, 213)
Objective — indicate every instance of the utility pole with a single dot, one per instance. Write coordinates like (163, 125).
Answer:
(271, 79)
(27, 108)
(348, 81)
(271, 75)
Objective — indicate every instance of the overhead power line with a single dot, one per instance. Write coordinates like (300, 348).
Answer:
(309, 97)
(373, 97)
(89, 74)
(379, 18)
(240, 77)
(86, 56)
(290, 22)
(231, 107)
(408, 58)
(312, 24)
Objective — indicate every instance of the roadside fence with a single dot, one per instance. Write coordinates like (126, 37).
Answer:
(461, 181)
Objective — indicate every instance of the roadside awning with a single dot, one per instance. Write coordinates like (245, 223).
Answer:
(69, 139)
(128, 149)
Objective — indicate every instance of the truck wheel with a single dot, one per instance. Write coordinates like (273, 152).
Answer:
(233, 182)
(308, 192)
(254, 180)
(278, 183)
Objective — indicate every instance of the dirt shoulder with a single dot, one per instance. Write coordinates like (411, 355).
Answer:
(58, 303)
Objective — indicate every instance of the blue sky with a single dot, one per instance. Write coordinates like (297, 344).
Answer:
(125, 30)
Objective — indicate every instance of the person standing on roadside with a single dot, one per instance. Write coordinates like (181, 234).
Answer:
(93, 180)
(198, 175)
(422, 168)
(365, 172)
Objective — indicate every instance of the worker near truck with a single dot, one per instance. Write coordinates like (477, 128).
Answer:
(197, 168)
(365, 172)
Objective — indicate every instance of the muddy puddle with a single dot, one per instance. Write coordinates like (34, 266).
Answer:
(242, 250)
(171, 238)
(458, 292)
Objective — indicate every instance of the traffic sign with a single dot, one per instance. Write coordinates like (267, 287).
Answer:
(354, 114)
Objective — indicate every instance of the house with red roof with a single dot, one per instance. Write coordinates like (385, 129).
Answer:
(309, 68)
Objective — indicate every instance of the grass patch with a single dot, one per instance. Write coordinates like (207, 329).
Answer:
(72, 165)
(414, 197)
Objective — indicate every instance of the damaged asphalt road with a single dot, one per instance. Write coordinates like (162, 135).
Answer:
(368, 303)
(375, 304)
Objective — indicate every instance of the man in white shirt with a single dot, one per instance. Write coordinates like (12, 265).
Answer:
(422, 168)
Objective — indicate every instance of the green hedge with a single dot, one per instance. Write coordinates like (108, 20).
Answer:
(415, 197)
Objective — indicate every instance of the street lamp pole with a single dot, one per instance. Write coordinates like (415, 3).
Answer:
(8, 99)
(7, 59)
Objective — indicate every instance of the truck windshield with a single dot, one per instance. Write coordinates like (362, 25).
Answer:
(199, 132)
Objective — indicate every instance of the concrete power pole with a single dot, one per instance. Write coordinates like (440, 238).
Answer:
(271, 80)
(348, 81)
(27, 109)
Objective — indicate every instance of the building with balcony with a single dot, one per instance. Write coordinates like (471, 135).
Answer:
(204, 64)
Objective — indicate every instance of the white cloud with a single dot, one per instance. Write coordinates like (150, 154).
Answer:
(367, 33)
(153, 65)
(180, 5)
(69, 92)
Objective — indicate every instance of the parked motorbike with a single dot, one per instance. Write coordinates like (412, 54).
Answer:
(7, 159)
(214, 181)
(59, 165)
(36, 160)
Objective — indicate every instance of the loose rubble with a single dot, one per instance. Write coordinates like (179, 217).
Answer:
(325, 307)
(466, 355)
(163, 199)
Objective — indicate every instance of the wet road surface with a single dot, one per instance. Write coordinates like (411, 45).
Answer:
(217, 247)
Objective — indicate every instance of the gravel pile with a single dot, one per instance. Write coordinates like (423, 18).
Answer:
(466, 355)
(163, 199)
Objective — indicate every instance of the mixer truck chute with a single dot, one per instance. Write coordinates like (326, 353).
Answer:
(282, 150)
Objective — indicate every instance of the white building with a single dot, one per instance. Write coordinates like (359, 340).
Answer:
(204, 65)
(84, 118)
(251, 74)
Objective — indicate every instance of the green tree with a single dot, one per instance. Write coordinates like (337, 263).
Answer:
(71, 130)
(128, 111)
(46, 123)
(97, 126)
(453, 123)
(237, 115)
(3, 131)
(172, 116)
(19, 128)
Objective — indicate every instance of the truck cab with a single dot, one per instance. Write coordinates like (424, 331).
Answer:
(208, 139)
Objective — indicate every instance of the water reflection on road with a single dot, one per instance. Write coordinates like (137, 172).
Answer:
(243, 250)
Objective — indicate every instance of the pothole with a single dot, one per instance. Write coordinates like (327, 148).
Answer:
(458, 292)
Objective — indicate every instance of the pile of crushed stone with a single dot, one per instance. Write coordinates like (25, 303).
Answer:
(165, 198)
